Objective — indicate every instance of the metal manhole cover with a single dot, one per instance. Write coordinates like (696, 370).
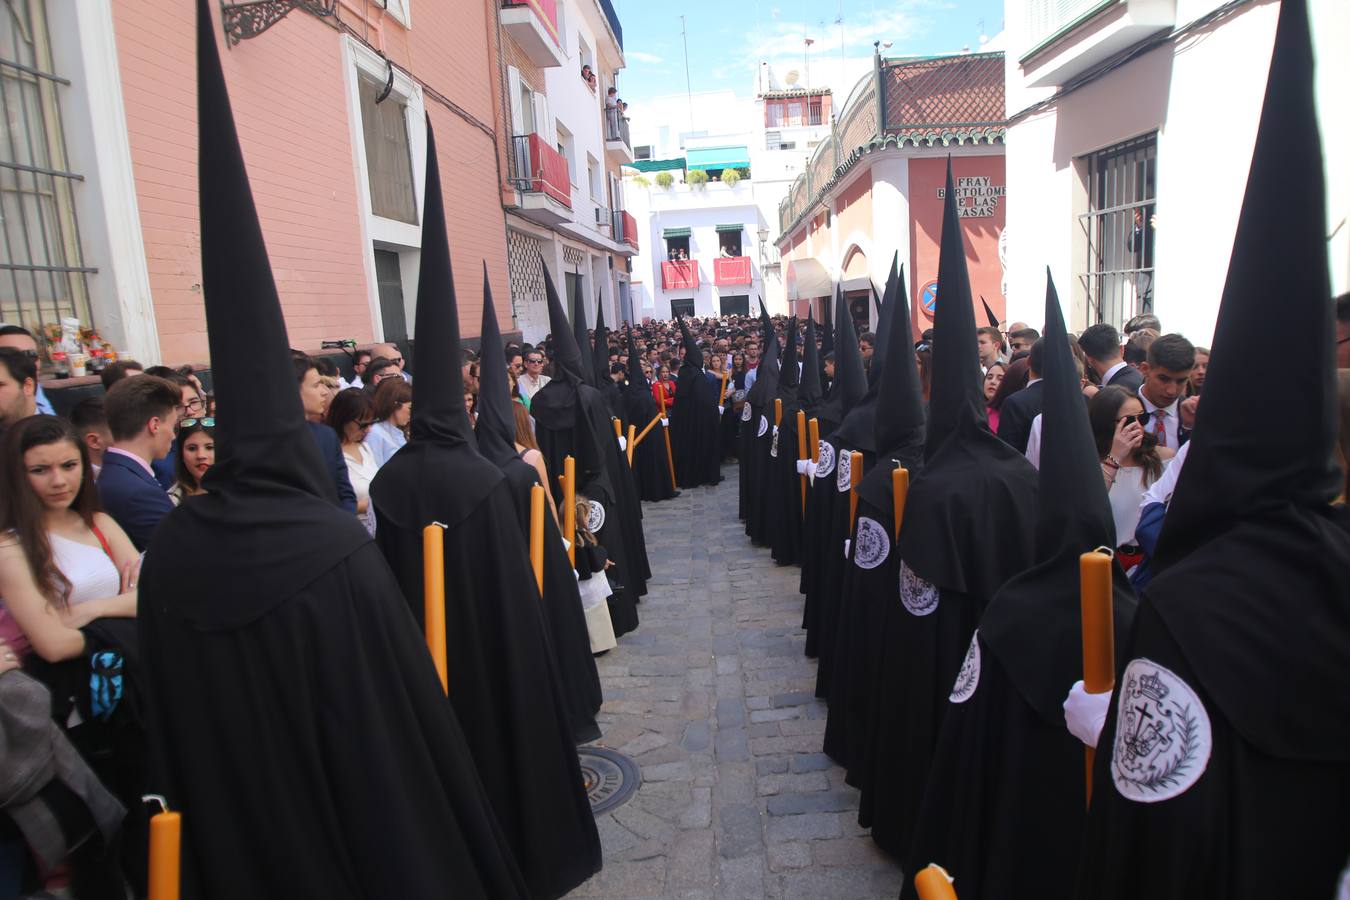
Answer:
(610, 777)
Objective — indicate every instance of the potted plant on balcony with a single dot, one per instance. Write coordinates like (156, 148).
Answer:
(730, 177)
(698, 179)
(664, 180)
(641, 181)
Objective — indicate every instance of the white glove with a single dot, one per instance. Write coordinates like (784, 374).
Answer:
(1085, 713)
(721, 409)
(665, 423)
(775, 431)
(847, 543)
(803, 465)
(623, 442)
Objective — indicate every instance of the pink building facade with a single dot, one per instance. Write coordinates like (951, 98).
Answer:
(331, 112)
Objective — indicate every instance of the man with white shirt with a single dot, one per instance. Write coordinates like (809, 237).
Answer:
(1101, 345)
(534, 377)
(1166, 373)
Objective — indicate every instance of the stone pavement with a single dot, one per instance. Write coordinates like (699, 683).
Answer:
(713, 698)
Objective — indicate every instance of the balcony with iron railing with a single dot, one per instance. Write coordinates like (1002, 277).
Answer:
(679, 275)
(533, 25)
(542, 177)
(730, 270)
(618, 145)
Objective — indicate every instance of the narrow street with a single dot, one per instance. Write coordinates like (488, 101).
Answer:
(713, 698)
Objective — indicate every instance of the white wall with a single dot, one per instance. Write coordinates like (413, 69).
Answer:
(1203, 97)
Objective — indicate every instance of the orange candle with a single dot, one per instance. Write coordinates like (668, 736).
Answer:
(815, 440)
(722, 396)
(899, 492)
(855, 474)
(537, 534)
(433, 595)
(618, 428)
(166, 840)
(1099, 651)
(670, 456)
(933, 883)
(632, 430)
(802, 452)
(777, 412)
(570, 508)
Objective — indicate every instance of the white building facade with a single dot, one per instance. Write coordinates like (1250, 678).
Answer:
(1130, 137)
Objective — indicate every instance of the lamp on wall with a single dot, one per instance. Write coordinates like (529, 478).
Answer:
(763, 235)
(242, 21)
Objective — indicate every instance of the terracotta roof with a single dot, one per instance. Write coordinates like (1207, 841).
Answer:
(795, 92)
(944, 93)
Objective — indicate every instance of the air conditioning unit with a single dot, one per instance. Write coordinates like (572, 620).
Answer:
(601, 216)
(772, 139)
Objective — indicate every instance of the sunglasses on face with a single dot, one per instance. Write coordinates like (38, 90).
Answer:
(208, 422)
(365, 424)
(397, 360)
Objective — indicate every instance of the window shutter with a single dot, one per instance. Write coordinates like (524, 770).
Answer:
(513, 89)
(543, 122)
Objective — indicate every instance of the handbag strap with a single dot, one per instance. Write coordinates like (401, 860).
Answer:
(102, 540)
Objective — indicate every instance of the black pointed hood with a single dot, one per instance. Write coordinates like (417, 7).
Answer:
(496, 426)
(1034, 622)
(826, 329)
(600, 350)
(989, 314)
(885, 314)
(268, 498)
(635, 376)
(957, 396)
(1232, 468)
(1253, 561)
(789, 373)
(962, 530)
(439, 475)
(566, 351)
(765, 388)
(810, 394)
(858, 430)
(850, 378)
(693, 356)
(583, 340)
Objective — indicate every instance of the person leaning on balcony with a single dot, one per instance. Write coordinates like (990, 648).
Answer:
(612, 99)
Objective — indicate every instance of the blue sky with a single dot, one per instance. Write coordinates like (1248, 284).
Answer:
(727, 40)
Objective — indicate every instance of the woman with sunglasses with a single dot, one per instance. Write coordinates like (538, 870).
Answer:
(1131, 460)
(351, 415)
(194, 453)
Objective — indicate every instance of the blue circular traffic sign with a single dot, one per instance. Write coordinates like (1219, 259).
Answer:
(928, 298)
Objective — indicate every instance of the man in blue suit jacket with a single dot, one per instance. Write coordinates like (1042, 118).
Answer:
(315, 397)
(142, 413)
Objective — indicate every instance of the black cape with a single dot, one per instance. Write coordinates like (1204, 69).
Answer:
(293, 711)
(783, 491)
(651, 463)
(695, 422)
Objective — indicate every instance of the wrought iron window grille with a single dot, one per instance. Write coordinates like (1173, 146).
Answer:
(242, 21)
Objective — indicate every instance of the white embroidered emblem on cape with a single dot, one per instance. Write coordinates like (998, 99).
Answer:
(920, 597)
(773, 445)
(824, 460)
(873, 544)
(763, 425)
(844, 471)
(969, 677)
(595, 519)
(745, 413)
(1163, 736)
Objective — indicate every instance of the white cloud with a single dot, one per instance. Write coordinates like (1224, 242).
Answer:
(639, 56)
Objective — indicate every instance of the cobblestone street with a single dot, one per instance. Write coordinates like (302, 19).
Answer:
(713, 698)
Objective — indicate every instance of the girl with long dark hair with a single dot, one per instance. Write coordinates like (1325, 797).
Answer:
(1131, 459)
(194, 454)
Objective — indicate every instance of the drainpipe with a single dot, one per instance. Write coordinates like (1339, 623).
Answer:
(879, 90)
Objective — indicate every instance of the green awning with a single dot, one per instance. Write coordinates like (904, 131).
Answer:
(719, 158)
(657, 165)
(674, 232)
(734, 229)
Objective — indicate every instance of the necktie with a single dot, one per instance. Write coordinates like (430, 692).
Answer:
(1159, 427)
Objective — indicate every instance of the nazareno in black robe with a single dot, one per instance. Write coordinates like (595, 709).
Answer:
(757, 437)
(1224, 766)
(293, 712)
(651, 466)
(783, 485)
(495, 431)
(503, 678)
(1007, 782)
(695, 420)
(962, 539)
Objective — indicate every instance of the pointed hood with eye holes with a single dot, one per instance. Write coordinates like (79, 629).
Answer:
(858, 430)
(584, 348)
(810, 393)
(565, 349)
(269, 499)
(1253, 561)
(765, 388)
(789, 374)
(899, 424)
(850, 378)
(693, 355)
(962, 527)
(600, 349)
(635, 377)
(496, 426)
(439, 475)
(1034, 623)
(989, 314)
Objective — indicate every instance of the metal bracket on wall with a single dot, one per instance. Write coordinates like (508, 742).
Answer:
(242, 21)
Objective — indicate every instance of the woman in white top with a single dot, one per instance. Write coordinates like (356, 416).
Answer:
(63, 563)
(1131, 459)
(391, 408)
(351, 417)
